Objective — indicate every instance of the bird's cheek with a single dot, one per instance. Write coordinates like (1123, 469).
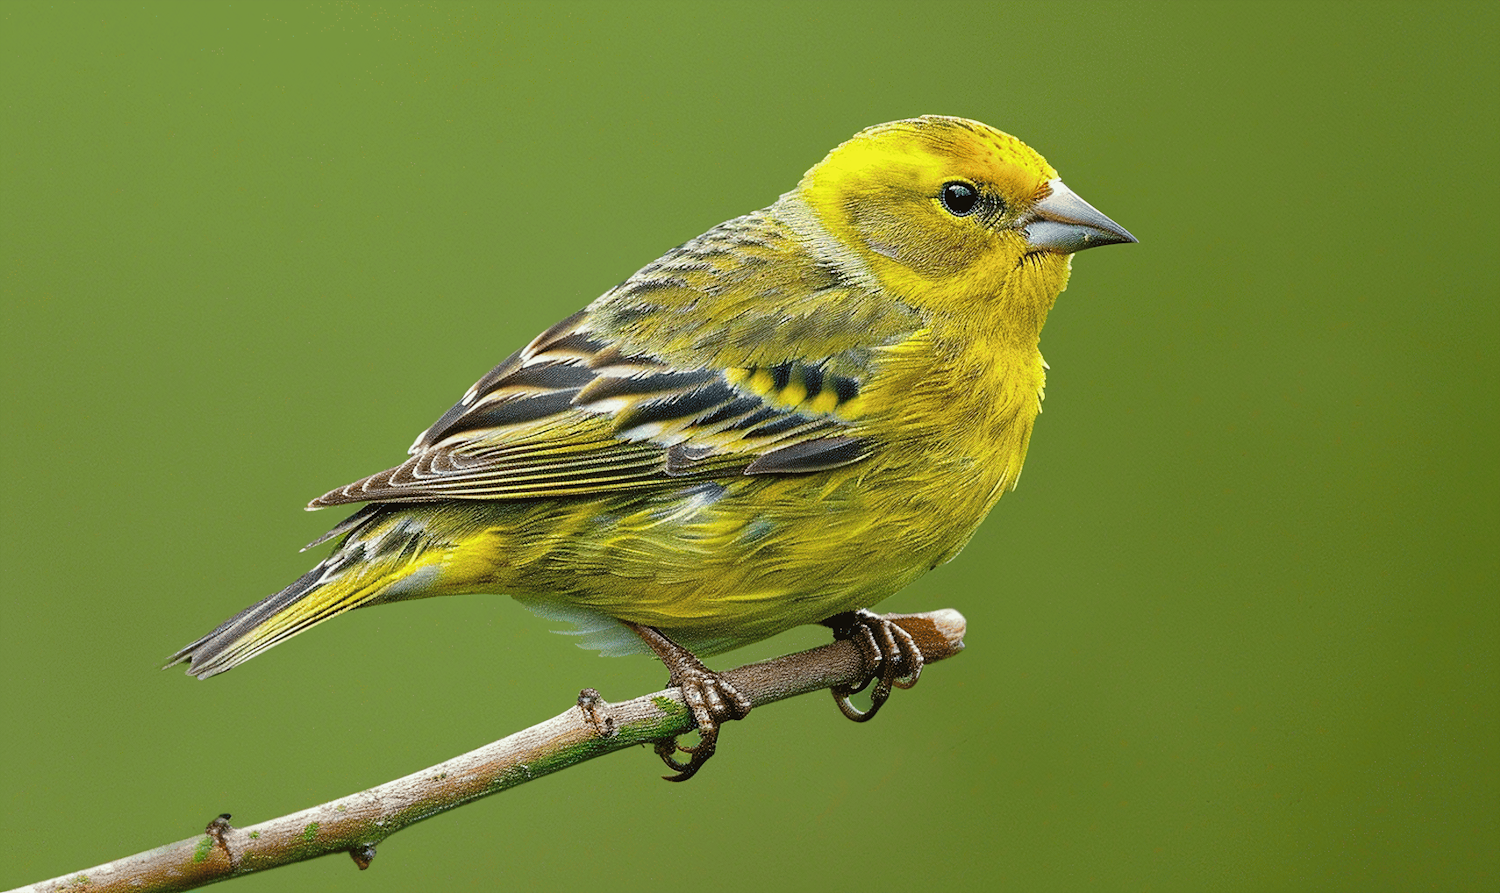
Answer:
(929, 252)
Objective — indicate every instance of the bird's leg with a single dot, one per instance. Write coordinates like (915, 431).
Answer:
(710, 696)
(886, 647)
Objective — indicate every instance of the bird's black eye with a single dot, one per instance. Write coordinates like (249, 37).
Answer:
(960, 198)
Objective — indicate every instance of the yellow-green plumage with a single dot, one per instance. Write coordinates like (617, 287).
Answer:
(790, 417)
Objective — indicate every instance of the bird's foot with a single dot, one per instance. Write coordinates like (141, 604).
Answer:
(712, 699)
(887, 648)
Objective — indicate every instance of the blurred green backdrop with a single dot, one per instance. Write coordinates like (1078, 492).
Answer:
(1237, 629)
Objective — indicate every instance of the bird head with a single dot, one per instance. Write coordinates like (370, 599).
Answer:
(947, 211)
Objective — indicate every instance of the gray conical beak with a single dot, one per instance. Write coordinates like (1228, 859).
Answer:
(1065, 223)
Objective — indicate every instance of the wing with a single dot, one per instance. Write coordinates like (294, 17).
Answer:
(737, 353)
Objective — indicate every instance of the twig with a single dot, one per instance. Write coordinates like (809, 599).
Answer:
(357, 823)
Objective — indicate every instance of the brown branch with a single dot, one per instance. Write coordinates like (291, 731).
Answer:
(357, 823)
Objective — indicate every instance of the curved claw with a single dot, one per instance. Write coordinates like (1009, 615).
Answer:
(667, 750)
(846, 706)
(697, 755)
(710, 697)
(888, 648)
(713, 701)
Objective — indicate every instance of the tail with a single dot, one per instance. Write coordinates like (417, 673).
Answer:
(386, 556)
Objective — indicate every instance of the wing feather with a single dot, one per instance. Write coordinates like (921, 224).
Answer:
(589, 407)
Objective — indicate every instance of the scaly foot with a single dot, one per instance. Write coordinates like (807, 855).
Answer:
(710, 696)
(886, 647)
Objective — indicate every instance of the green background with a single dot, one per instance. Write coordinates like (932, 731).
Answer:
(1237, 629)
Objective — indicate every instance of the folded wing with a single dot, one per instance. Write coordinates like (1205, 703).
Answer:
(682, 371)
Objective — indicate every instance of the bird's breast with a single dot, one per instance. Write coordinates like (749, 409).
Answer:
(955, 423)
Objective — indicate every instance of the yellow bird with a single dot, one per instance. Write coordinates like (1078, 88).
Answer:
(780, 422)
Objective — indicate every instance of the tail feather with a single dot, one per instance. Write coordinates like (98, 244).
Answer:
(228, 644)
(378, 561)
